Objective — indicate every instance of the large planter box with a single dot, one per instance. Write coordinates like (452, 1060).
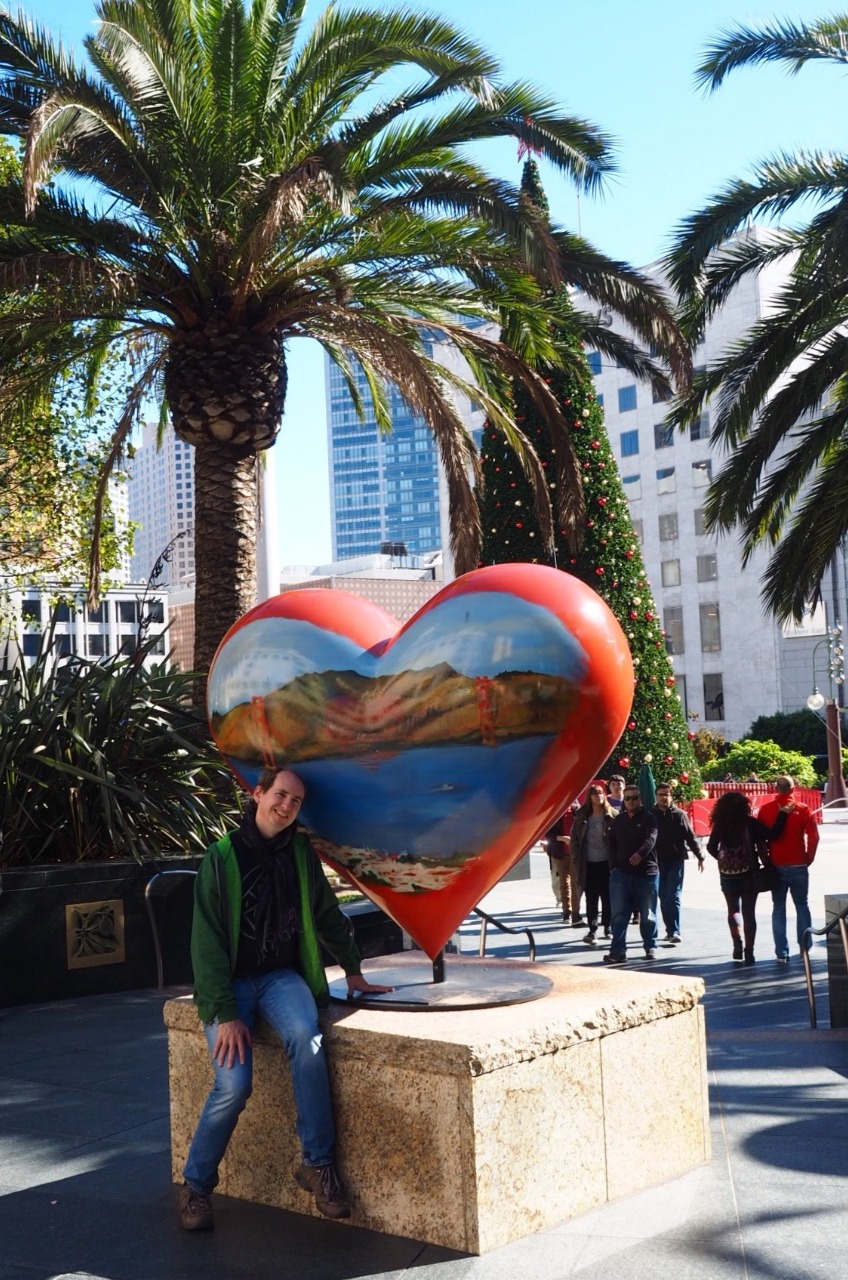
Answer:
(82, 929)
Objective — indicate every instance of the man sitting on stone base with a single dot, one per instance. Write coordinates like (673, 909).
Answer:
(262, 905)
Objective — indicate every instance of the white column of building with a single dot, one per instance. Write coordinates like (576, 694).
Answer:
(268, 562)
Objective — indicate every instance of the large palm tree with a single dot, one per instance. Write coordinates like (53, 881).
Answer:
(239, 181)
(780, 403)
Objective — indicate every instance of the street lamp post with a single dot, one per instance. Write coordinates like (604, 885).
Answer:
(835, 793)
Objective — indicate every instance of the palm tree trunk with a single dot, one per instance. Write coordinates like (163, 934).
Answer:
(226, 521)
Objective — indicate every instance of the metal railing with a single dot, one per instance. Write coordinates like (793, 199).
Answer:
(839, 922)
(504, 928)
(151, 915)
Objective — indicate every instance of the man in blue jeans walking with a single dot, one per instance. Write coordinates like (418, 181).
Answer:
(674, 837)
(792, 852)
(634, 876)
(262, 907)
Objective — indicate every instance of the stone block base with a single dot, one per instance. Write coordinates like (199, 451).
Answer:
(474, 1129)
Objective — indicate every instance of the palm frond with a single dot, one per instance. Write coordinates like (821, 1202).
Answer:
(788, 42)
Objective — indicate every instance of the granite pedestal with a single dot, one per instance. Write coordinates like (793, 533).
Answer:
(473, 1129)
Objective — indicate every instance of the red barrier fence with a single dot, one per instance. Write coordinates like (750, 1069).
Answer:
(759, 792)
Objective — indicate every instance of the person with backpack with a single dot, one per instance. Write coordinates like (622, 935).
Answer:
(739, 843)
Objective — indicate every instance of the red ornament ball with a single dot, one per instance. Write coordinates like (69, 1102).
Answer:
(600, 571)
(596, 444)
(649, 615)
(668, 715)
(669, 759)
(628, 555)
(684, 777)
(691, 736)
(624, 761)
(602, 502)
(631, 724)
(671, 681)
(633, 615)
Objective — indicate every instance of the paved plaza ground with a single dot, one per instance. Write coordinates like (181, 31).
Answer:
(84, 1166)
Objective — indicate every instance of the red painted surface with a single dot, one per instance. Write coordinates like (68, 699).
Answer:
(598, 704)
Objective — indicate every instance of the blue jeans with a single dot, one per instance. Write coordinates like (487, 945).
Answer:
(797, 881)
(671, 886)
(629, 893)
(285, 1001)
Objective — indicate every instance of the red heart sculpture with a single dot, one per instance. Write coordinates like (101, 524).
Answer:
(434, 754)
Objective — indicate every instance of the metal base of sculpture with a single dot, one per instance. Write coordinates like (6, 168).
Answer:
(483, 985)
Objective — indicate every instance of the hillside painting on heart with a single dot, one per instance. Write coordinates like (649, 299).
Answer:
(433, 754)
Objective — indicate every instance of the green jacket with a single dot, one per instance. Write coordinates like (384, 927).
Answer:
(217, 920)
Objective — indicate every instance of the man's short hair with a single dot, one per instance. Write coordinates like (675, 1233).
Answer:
(784, 783)
(617, 777)
(664, 786)
(268, 776)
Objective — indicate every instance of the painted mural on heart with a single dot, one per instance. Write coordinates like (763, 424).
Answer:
(435, 753)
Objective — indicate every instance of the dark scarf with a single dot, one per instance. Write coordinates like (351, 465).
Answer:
(276, 913)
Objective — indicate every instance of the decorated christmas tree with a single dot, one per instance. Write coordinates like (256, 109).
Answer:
(605, 552)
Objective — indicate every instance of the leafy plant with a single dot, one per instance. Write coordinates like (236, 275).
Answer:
(766, 759)
(793, 730)
(708, 744)
(103, 760)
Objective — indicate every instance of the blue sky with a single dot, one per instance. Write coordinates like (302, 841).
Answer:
(628, 66)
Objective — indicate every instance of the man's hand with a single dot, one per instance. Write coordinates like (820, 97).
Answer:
(356, 982)
(233, 1038)
(700, 864)
(635, 859)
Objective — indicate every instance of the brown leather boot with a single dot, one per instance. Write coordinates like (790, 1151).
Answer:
(324, 1183)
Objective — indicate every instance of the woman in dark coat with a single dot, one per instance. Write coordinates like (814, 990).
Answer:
(589, 855)
(739, 843)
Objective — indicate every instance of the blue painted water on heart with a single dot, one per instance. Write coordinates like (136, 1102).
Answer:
(429, 802)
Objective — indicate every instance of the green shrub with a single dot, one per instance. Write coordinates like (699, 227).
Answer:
(793, 731)
(766, 759)
(105, 760)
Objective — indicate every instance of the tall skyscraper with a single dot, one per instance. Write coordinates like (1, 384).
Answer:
(387, 490)
(161, 504)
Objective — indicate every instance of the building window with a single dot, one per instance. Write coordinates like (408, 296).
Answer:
(638, 530)
(626, 398)
(668, 527)
(707, 568)
(127, 611)
(100, 614)
(98, 645)
(714, 697)
(702, 474)
(700, 430)
(31, 611)
(663, 436)
(600, 400)
(31, 644)
(594, 359)
(700, 527)
(666, 480)
(62, 613)
(710, 628)
(670, 573)
(632, 487)
(629, 443)
(660, 397)
(673, 628)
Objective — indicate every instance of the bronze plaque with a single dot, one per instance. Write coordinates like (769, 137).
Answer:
(95, 933)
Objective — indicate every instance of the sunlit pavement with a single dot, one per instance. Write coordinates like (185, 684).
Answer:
(84, 1169)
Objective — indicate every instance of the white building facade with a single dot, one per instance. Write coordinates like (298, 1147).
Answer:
(733, 663)
(161, 505)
